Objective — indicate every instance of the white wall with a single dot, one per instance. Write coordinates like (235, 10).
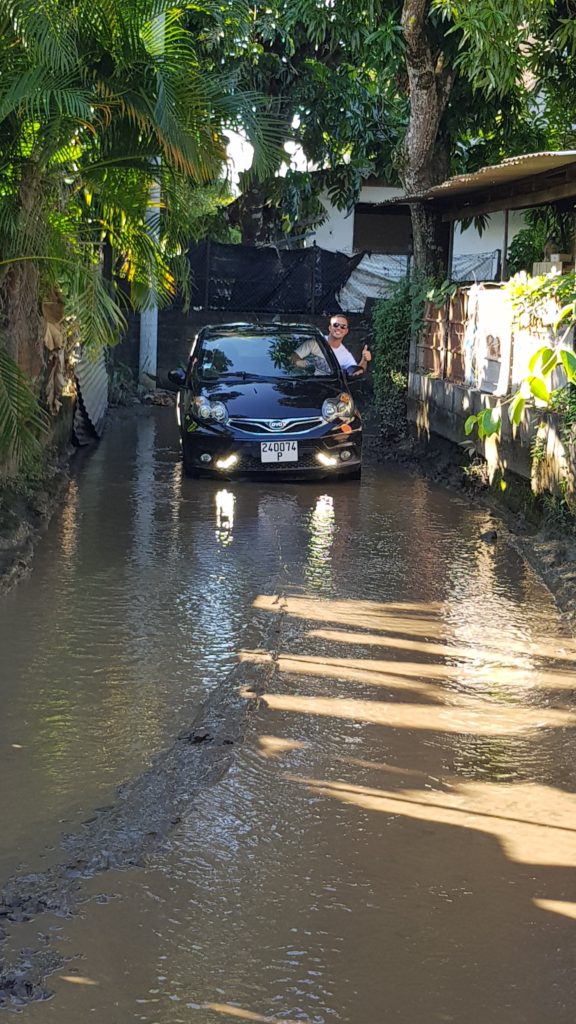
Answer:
(470, 241)
(337, 232)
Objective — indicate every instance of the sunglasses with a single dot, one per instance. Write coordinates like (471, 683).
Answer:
(340, 327)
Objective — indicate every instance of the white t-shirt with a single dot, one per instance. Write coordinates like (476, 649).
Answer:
(344, 357)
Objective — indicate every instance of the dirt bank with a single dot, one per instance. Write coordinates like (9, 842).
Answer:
(26, 507)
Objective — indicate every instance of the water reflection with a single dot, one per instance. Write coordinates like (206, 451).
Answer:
(144, 494)
(225, 502)
(403, 808)
(69, 524)
(322, 529)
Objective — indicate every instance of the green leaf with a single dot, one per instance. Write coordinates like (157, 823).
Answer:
(565, 312)
(569, 363)
(469, 425)
(539, 389)
(491, 420)
(549, 362)
(516, 409)
(538, 357)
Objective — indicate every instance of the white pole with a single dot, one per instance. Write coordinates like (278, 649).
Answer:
(148, 360)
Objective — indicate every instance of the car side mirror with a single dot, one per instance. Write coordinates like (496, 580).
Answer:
(177, 377)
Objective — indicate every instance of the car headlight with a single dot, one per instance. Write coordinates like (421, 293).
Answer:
(219, 412)
(202, 408)
(206, 410)
(341, 408)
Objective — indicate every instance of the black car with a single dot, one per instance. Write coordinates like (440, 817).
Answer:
(268, 398)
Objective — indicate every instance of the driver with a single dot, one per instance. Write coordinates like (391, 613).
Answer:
(337, 330)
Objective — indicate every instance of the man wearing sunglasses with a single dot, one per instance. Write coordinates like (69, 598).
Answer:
(337, 330)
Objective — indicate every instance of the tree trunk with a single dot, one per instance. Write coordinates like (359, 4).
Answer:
(19, 299)
(425, 159)
(258, 220)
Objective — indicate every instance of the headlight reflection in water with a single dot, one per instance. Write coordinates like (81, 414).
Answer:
(322, 526)
(225, 502)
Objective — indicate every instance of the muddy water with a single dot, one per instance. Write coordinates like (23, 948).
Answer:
(395, 840)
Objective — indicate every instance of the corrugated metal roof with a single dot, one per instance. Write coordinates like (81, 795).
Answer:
(92, 379)
(512, 169)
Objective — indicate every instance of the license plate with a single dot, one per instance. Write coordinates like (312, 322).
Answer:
(279, 451)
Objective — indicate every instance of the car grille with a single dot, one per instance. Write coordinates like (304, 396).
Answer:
(295, 426)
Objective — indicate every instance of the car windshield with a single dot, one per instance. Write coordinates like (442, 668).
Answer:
(261, 355)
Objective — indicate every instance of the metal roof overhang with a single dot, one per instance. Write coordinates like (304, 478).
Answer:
(516, 184)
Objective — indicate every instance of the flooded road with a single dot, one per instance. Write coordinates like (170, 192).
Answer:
(395, 837)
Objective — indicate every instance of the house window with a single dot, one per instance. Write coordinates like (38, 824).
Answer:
(381, 229)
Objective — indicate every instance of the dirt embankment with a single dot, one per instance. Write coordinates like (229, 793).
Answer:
(26, 507)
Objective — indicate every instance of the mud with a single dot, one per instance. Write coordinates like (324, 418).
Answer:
(25, 981)
(133, 829)
(26, 509)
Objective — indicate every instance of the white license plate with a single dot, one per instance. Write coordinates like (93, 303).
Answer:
(279, 451)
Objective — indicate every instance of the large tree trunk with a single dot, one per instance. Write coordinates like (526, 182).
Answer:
(23, 331)
(258, 219)
(425, 159)
(19, 300)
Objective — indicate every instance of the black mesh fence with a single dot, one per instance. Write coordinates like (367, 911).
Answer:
(267, 279)
(270, 280)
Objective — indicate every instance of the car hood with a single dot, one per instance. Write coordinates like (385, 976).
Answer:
(282, 399)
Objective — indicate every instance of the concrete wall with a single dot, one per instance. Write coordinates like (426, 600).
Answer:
(177, 330)
(442, 408)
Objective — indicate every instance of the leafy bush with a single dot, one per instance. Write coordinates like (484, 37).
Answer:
(527, 248)
(395, 320)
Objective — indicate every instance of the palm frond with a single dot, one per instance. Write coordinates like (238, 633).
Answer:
(22, 421)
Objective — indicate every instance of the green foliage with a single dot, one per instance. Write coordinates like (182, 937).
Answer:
(526, 248)
(395, 320)
(544, 224)
(439, 294)
(112, 154)
(22, 421)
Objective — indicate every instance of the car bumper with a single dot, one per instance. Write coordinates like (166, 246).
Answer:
(204, 452)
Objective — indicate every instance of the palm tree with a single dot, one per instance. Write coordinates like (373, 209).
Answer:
(98, 100)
